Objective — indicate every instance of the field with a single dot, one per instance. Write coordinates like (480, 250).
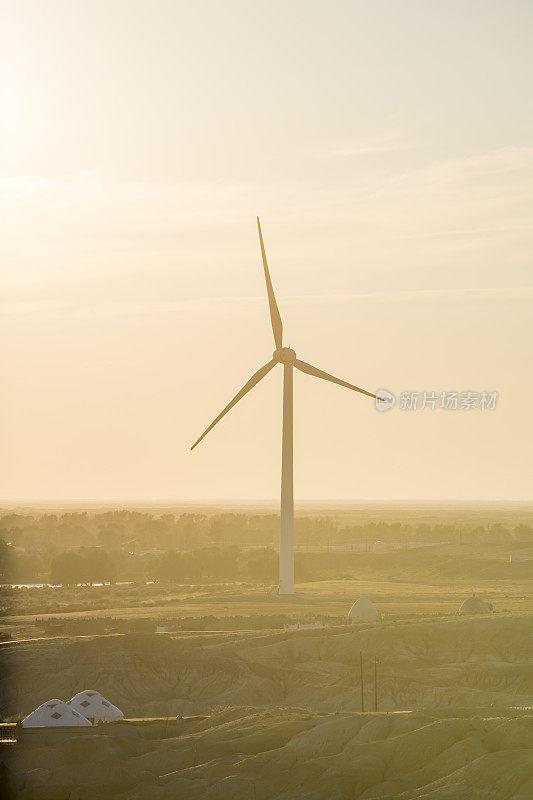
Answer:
(403, 583)
(280, 713)
(449, 662)
(232, 705)
(250, 754)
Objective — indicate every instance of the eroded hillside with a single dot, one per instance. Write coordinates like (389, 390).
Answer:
(458, 662)
(282, 754)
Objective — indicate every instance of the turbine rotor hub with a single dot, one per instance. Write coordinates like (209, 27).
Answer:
(285, 355)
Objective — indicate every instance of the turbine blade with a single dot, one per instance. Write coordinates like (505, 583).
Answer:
(275, 318)
(245, 389)
(318, 373)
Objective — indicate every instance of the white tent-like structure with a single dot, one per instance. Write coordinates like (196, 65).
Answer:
(363, 610)
(95, 707)
(475, 605)
(54, 713)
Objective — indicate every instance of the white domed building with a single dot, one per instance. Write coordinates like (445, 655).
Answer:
(95, 707)
(54, 713)
(363, 610)
(475, 605)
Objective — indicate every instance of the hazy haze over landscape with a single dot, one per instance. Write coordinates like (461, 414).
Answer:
(173, 624)
(387, 148)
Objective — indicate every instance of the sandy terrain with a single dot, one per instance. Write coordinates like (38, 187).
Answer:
(464, 661)
(281, 754)
(281, 710)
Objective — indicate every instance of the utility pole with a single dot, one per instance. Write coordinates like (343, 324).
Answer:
(375, 683)
(362, 681)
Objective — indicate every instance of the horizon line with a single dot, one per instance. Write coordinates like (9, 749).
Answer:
(259, 500)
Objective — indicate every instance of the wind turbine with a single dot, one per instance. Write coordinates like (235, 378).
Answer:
(287, 357)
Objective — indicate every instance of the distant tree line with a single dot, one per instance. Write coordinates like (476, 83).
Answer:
(216, 564)
(133, 545)
(138, 531)
(82, 566)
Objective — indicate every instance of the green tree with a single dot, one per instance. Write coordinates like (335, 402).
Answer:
(523, 533)
(67, 568)
(6, 561)
(97, 566)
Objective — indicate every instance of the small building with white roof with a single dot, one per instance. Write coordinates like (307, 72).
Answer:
(475, 605)
(54, 713)
(363, 610)
(95, 707)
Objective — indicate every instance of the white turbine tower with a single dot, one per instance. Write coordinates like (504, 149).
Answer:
(287, 357)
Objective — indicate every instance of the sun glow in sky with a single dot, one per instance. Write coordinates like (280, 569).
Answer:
(387, 147)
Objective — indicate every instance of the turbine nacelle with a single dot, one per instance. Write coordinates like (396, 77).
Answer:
(285, 355)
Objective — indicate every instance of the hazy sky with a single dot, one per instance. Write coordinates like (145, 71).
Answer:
(387, 147)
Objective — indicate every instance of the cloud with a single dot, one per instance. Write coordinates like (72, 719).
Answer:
(85, 238)
(373, 145)
(503, 294)
(92, 202)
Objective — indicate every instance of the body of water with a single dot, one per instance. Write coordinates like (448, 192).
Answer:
(55, 585)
